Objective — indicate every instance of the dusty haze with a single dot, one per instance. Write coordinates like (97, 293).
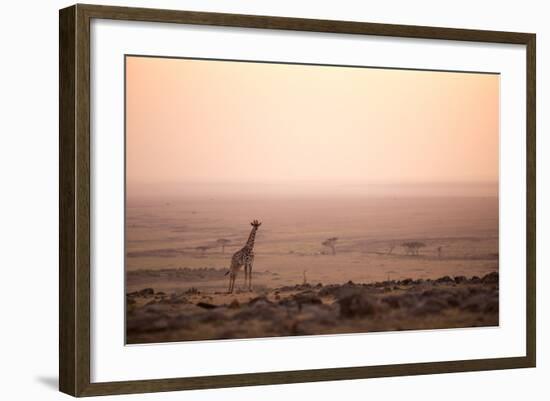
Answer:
(231, 122)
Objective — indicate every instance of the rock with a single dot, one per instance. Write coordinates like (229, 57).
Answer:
(300, 299)
(329, 290)
(287, 302)
(206, 305)
(444, 280)
(357, 305)
(460, 279)
(491, 278)
(261, 301)
(174, 299)
(234, 304)
(146, 292)
(308, 297)
(260, 309)
(297, 287)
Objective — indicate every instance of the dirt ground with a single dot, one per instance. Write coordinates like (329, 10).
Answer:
(305, 309)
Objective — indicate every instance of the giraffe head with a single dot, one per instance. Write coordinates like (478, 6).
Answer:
(255, 224)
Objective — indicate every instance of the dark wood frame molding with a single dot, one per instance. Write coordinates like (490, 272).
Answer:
(74, 199)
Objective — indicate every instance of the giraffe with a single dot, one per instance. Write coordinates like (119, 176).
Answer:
(243, 257)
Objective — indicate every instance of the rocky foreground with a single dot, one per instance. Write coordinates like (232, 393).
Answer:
(313, 309)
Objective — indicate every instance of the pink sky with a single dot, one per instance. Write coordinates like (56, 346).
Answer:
(213, 121)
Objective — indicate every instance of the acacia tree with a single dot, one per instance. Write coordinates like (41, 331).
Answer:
(202, 249)
(331, 243)
(413, 247)
(223, 243)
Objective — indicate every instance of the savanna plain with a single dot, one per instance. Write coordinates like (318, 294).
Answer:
(324, 264)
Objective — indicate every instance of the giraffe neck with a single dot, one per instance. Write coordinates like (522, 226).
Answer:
(251, 237)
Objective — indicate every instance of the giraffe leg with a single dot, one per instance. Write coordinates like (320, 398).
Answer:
(247, 272)
(231, 282)
(250, 273)
(251, 264)
(250, 277)
(245, 275)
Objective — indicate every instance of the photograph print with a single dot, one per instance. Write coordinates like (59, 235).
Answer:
(270, 199)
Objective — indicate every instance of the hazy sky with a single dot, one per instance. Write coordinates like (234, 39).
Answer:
(213, 121)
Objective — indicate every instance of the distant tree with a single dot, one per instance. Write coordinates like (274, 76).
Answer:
(439, 250)
(413, 247)
(392, 247)
(223, 243)
(330, 243)
(202, 249)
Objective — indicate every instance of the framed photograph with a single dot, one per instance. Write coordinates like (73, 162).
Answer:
(250, 200)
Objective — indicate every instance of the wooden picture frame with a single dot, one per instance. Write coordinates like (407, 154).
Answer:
(74, 195)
